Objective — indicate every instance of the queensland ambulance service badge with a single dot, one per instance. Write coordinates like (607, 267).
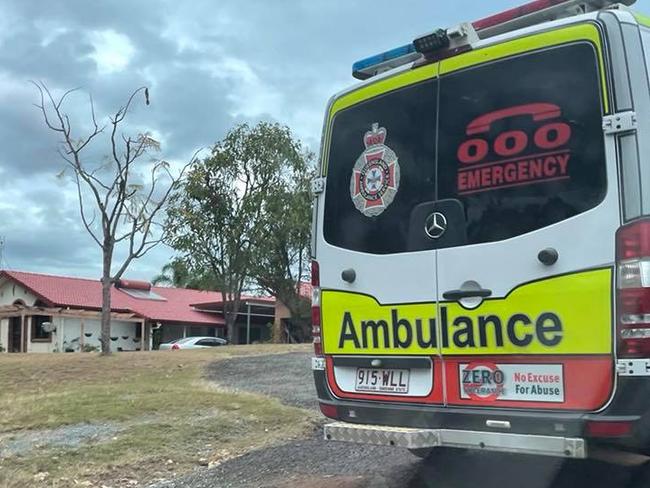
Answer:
(375, 176)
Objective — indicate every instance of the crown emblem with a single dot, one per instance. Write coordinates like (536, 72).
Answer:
(375, 175)
(375, 136)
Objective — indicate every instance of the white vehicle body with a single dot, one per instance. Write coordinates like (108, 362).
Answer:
(194, 343)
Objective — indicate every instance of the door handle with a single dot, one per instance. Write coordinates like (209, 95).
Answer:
(459, 294)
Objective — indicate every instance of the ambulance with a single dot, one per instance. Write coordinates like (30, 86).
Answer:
(481, 238)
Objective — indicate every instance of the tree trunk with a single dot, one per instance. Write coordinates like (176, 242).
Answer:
(299, 280)
(231, 319)
(105, 338)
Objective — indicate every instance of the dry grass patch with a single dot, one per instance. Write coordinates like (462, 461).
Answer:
(168, 420)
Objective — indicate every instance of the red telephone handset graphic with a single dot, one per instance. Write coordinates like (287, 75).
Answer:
(513, 142)
(539, 111)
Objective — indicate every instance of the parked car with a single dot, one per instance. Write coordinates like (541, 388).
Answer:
(194, 343)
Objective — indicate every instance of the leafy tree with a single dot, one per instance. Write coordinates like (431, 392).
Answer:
(119, 207)
(177, 274)
(174, 273)
(214, 221)
(281, 259)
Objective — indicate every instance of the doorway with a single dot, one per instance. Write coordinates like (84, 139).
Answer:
(15, 334)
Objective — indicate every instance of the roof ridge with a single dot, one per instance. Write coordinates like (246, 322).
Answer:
(51, 275)
(183, 288)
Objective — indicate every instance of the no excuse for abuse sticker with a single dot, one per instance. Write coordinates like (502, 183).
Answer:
(487, 381)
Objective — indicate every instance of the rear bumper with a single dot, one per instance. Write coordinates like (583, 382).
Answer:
(631, 403)
(426, 438)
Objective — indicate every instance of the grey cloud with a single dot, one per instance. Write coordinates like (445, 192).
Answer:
(208, 64)
(63, 62)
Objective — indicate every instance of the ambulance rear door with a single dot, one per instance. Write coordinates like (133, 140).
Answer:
(379, 165)
(525, 287)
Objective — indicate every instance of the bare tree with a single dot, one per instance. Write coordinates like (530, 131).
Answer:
(120, 207)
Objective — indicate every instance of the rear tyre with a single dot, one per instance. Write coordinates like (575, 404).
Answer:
(641, 476)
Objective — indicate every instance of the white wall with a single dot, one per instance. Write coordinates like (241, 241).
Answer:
(4, 333)
(68, 335)
(71, 336)
(10, 292)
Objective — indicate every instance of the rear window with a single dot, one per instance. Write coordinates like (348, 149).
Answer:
(518, 146)
(521, 142)
(380, 166)
(183, 340)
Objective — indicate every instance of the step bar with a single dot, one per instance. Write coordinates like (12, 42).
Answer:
(409, 438)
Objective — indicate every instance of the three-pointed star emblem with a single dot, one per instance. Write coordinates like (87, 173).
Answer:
(435, 225)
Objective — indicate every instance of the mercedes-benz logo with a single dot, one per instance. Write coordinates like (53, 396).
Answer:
(435, 225)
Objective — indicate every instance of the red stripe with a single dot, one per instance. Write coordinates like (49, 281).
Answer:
(588, 383)
(514, 13)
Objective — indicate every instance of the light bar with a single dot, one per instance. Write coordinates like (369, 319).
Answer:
(536, 12)
(465, 35)
(515, 13)
(369, 67)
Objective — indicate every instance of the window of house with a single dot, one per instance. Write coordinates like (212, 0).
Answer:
(38, 331)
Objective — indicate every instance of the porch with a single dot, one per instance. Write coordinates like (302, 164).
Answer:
(52, 329)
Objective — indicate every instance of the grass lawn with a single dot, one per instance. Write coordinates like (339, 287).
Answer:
(155, 415)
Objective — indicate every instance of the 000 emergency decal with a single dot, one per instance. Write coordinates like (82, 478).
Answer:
(569, 314)
(538, 155)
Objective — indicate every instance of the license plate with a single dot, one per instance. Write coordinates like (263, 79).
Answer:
(380, 380)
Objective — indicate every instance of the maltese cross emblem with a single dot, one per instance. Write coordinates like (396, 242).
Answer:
(375, 176)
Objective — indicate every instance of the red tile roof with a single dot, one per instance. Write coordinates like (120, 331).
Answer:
(62, 291)
(216, 304)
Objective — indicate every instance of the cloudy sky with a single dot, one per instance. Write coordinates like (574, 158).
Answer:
(209, 64)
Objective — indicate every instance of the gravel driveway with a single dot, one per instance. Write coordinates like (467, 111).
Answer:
(284, 376)
(315, 463)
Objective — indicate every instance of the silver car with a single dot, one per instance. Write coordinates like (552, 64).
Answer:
(194, 343)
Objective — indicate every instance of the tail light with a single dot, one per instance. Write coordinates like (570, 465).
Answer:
(600, 428)
(633, 289)
(315, 308)
(329, 411)
(175, 346)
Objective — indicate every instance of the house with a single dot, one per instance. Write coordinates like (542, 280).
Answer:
(46, 313)
(284, 328)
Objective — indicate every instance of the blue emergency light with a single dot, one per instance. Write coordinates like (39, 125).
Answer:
(369, 67)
